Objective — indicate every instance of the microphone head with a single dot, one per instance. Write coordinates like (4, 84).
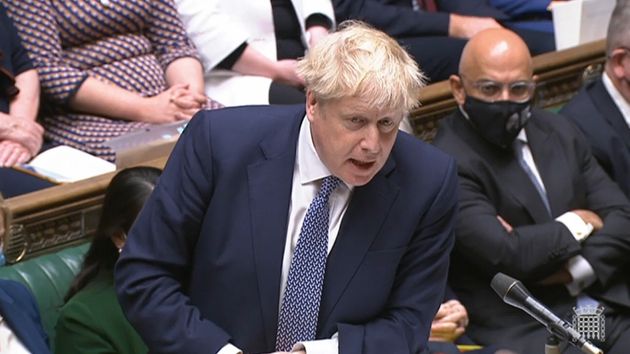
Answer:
(509, 289)
(502, 283)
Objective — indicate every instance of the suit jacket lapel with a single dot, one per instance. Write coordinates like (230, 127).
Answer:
(551, 169)
(270, 195)
(506, 167)
(368, 209)
(604, 103)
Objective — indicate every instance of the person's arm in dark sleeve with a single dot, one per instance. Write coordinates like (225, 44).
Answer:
(418, 288)
(154, 265)
(528, 252)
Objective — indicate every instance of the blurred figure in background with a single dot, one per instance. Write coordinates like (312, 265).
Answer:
(108, 67)
(602, 108)
(249, 48)
(435, 31)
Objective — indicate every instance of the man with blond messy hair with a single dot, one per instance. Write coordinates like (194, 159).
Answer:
(317, 228)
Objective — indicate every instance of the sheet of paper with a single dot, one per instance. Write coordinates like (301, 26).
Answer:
(566, 23)
(581, 21)
(67, 164)
(595, 19)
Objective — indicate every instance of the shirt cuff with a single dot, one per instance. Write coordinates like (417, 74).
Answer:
(582, 273)
(229, 349)
(320, 346)
(578, 228)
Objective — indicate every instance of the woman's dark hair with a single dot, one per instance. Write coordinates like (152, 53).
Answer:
(124, 198)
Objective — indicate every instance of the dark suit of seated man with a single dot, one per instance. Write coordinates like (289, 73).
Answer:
(227, 255)
(534, 204)
(21, 329)
(602, 109)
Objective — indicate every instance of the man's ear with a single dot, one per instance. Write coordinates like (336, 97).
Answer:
(311, 105)
(119, 238)
(615, 62)
(457, 89)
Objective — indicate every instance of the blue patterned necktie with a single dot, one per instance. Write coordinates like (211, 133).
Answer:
(297, 320)
(518, 146)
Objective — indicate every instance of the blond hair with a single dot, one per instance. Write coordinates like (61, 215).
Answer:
(360, 61)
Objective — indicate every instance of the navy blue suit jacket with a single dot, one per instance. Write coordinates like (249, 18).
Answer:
(19, 310)
(202, 264)
(601, 121)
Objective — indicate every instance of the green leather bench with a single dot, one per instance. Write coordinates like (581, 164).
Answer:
(48, 277)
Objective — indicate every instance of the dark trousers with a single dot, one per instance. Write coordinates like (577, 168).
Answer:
(14, 183)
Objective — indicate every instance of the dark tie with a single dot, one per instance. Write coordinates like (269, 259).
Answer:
(518, 147)
(427, 5)
(298, 316)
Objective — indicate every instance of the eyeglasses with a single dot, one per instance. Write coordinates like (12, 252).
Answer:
(492, 91)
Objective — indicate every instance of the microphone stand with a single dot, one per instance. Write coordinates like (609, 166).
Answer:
(553, 345)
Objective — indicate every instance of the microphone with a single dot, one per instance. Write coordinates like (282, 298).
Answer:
(514, 293)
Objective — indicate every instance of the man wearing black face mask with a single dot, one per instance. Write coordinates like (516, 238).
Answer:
(534, 204)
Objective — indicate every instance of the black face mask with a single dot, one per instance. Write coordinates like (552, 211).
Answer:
(497, 122)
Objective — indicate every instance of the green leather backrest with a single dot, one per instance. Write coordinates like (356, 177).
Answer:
(49, 277)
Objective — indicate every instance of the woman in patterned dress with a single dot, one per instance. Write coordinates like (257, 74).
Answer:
(108, 67)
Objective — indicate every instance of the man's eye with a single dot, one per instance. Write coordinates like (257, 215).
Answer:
(489, 89)
(519, 89)
(356, 120)
(386, 122)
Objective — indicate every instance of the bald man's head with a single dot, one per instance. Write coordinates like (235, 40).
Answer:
(495, 50)
(495, 86)
(496, 55)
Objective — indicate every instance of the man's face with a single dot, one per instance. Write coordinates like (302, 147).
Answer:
(492, 72)
(351, 139)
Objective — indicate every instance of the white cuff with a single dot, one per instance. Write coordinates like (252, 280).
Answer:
(229, 349)
(578, 228)
(582, 273)
(320, 346)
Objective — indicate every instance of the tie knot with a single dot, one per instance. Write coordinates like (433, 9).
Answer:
(328, 185)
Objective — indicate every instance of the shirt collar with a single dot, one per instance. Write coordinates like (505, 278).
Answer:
(522, 136)
(310, 167)
(616, 96)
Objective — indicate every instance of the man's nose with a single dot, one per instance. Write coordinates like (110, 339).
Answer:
(505, 93)
(371, 140)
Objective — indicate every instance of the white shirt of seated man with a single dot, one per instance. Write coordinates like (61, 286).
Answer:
(9, 342)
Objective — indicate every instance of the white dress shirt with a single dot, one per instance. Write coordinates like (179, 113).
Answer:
(9, 342)
(620, 101)
(308, 173)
